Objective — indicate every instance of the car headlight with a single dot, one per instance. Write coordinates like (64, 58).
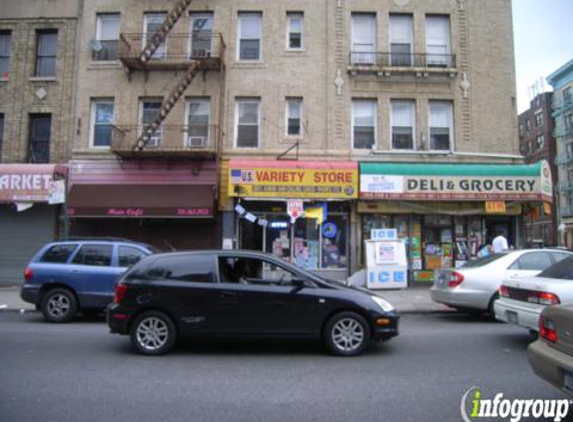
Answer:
(384, 304)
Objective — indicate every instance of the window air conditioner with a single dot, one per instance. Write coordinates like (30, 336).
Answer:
(196, 142)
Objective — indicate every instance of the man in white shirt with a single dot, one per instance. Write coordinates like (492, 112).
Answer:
(499, 243)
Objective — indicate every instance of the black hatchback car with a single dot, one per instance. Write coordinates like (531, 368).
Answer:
(242, 294)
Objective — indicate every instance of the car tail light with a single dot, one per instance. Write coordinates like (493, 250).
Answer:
(28, 274)
(455, 279)
(547, 329)
(543, 298)
(120, 291)
(503, 291)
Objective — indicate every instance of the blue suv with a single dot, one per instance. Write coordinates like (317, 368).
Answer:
(68, 277)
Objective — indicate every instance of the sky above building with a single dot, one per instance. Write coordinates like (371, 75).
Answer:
(543, 34)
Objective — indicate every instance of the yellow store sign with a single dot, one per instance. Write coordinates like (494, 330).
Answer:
(295, 179)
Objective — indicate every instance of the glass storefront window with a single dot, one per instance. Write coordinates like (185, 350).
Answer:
(334, 242)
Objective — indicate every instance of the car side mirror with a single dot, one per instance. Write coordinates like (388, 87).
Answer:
(298, 284)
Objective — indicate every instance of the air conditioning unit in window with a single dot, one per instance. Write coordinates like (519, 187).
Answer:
(199, 53)
(196, 142)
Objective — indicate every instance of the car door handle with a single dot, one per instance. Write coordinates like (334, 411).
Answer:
(228, 295)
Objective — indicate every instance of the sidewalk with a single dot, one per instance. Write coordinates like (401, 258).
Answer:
(414, 300)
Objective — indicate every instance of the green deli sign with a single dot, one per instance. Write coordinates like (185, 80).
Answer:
(460, 182)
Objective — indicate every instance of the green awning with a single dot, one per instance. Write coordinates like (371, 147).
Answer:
(421, 169)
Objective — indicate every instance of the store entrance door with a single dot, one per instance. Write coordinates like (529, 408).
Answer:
(506, 224)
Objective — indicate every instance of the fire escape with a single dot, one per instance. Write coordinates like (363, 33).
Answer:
(189, 54)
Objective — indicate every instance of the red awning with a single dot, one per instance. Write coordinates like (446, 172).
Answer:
(142, 189)
(28, 182)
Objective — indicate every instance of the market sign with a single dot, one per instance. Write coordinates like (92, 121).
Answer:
(495, 207)
(27, 182)
(469, 182)
(294, 179)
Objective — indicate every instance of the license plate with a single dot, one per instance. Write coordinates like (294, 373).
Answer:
(512, 317)
(568, 380)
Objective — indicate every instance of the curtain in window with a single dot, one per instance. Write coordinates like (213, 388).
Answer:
(363, 38)
(201, 30)
(198, 121)
(438, 40)
(364, 113)
(401, 39)
(250, 36)
(402, 125)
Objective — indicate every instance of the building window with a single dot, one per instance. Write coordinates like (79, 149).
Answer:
(250, 34)
(438, 41)
(198, 122)
(527, 125)
(247, 120)
(403, 124)
(201, 34)
(364, 124)
(102, 118)
(40, 132)
(294, 116)
(295, 31)
(5, 49)
(363, 38)
(567, 95)
(441, 125)
(153, 23)
(46, 54)
(107, 36)
(520, 128)
(540, 141)
(539, 118)
(1, 134)
(149, 109)
(401, 40)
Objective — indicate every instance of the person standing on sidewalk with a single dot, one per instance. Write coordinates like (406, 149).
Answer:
(499, 243)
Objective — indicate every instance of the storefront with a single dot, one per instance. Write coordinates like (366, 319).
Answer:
(297, 210)
(30, 205)
(168, 204)
(447, 211)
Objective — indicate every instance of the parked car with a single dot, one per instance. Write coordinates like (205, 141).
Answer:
(78, 275)
(242, 294)
(474, 287)
(551, 356)
(522, 300)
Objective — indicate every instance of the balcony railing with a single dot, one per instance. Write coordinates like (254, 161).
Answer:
(39, 151)
(393, 62)
(169, 140)
(176, 52)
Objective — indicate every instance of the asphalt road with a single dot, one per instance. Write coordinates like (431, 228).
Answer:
(79, 372)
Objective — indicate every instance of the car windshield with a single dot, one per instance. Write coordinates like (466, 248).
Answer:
(480, 262)
(563, 270)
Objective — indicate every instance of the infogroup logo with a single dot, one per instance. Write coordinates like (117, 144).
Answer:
(513, 410)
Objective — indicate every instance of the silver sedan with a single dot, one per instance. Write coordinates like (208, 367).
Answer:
(474, 287)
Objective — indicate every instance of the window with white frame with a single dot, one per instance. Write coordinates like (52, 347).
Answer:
(149, 109)
(364, 124)
(247, 123)
(363, 38)
(438, 41)
(294, 116)
(540, 141)
(441, 125)
(401, 40)
(5, 50)
(295, 31)
(153, 23)
(198, 122)
(107, 36)
(201, 34)
(102, 122)
(250, 35)
(47, 53)
(403, 118)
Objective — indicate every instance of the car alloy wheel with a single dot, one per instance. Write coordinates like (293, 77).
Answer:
(59, 305)
(347, 334)
(153, 333)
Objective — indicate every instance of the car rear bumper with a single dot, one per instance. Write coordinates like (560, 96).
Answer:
(523, 315)
(549, 363)
(118, 321)
(30, 293)
(461, 298)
